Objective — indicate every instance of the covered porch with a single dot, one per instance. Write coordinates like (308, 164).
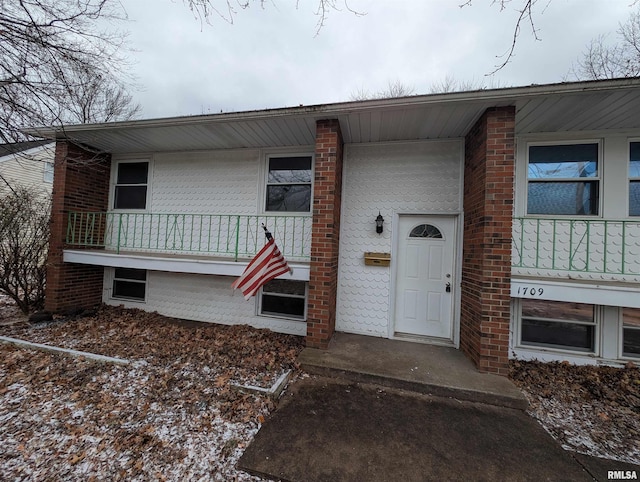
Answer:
(488, 122)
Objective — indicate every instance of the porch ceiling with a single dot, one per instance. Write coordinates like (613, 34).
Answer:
(583, 106)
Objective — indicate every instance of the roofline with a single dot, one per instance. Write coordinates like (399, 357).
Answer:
(507, 95)
(27, 152)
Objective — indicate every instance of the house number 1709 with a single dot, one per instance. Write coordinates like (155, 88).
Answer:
(526, 291)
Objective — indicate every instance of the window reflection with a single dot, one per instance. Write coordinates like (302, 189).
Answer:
(557, 184)
(289, 184)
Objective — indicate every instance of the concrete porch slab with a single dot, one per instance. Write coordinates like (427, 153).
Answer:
(430, 369)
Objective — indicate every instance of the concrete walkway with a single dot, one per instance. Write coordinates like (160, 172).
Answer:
(417, 367)
(330, 430)
(375, 418)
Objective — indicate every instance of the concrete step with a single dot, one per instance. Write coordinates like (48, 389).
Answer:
(428, 369)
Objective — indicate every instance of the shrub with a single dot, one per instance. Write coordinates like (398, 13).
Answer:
(24, 242)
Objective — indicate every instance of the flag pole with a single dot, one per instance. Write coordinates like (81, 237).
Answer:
(266, 232)
(269, 238)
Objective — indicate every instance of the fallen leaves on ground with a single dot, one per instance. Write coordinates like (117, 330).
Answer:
(9, 312)
(593, 410)
(173, 414)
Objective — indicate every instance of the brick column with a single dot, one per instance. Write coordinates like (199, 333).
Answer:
(488, 216)
(327, 193)
(80, 183)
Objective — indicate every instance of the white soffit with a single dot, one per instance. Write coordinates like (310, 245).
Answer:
(583, 106)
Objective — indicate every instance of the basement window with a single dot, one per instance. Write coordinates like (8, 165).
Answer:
(631, 332)
(131, 185)
(558, 324)
(284, 299)
(563, 179)
(129, 284)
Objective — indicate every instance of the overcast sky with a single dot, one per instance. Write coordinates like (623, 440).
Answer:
(272, 57)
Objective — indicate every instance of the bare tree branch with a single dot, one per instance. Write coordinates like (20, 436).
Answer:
(59, 66)
(446, 85)
(53, 54)
(607, 59)
(451, 84)
(526, 15)
(394, 89)
(228, 9)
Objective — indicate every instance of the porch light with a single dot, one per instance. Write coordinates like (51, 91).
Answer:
(379, 223)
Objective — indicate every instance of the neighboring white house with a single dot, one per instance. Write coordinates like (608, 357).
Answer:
(28, 164)
(511, 219)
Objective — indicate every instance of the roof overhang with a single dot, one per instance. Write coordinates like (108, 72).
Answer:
(577, 106)
(24, 151)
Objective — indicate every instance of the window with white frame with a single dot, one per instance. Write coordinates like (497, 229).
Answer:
(558, 324)
(131, 185)
(289, 183)
(634, 178)
(631, 332)
(129, 284)
(48, 172)
(284, 298)
(563, 179)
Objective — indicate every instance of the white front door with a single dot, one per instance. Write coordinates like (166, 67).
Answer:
(424, 276)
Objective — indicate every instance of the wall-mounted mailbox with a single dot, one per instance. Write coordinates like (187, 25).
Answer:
(377, 259)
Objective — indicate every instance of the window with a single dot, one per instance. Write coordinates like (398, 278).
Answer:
(558, 324)
(289, 184)
(425, 231)
(48, 171)
(631, 332)
(129, 284)
(634, 179)
(563, 179)
(131, 185)
(284, 298)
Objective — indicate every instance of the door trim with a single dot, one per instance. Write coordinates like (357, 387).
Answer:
(457, 269)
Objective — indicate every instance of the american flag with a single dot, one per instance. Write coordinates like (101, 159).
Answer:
(265, 266)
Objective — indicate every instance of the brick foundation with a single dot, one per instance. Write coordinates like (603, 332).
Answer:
(488, 215)
(80, 183)
(327, 193)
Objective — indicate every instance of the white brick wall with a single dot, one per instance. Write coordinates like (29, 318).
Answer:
(205, 298)
(216, 182)
(416, 177)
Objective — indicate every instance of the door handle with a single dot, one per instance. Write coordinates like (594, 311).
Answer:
(448, 288)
